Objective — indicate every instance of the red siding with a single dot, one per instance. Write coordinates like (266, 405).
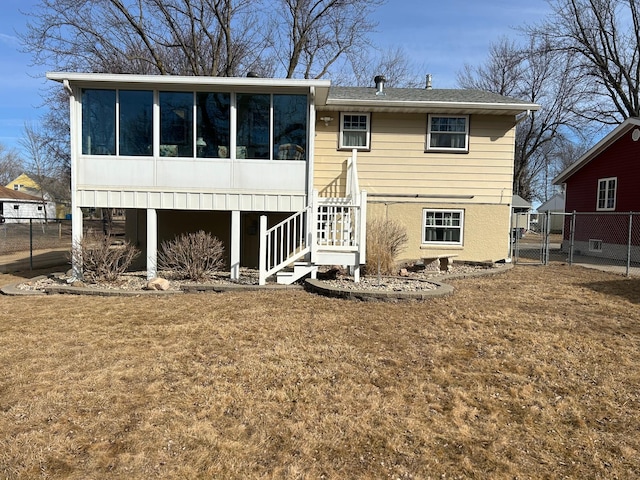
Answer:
(621, 160)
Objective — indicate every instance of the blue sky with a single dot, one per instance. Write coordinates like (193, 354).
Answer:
(439, 36)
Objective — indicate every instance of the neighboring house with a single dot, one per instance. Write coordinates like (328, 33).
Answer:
(605, 181)
(284, 170)
(520, 216)
(554, 208)
(24, 183)
(19, 207)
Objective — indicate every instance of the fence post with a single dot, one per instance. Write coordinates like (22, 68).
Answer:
(547, 238)
(629, 243)
(572, 236)
(31, 244)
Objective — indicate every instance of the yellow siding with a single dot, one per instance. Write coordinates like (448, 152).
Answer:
(485, 236)
(398, 164)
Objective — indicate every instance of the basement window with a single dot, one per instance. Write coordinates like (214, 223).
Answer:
(595, 245)
(443, 227)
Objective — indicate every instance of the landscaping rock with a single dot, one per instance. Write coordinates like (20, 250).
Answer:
(158, 283)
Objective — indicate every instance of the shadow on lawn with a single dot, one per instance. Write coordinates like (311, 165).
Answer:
(628, 289)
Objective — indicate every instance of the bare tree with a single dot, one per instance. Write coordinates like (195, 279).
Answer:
(11, 164)
(392, 63)
(535, 73)
(312, 35)
(297, 38)
(187, 37)
(603, 39)
(43, 167)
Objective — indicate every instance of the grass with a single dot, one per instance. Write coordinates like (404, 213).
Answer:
(530, 374)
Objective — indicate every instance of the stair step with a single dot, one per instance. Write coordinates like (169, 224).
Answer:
(300, 269)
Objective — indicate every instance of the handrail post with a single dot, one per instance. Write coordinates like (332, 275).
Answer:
(262, 262)
(362, 227)
(312, 226)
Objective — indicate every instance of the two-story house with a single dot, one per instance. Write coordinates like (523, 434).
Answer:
(284, 170)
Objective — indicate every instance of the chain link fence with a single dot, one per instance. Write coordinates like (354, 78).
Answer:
(606, 240)
(31, 234)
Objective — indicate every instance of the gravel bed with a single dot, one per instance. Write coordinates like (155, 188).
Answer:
(412, 280)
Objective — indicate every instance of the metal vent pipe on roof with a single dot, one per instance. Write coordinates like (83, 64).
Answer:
(429, 78)
(379, 81)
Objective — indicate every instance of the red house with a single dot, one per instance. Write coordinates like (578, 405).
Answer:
(603, 187)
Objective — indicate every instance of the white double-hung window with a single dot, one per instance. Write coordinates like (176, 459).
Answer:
(443, 227)
(607, 193)
(448, 133)
(355, 130)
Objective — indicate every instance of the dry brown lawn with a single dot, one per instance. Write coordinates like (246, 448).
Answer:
(530, 374)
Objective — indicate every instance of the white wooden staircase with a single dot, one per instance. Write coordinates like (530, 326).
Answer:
(330, 231)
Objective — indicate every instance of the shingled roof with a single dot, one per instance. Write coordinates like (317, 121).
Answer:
(9, 194)
(416, 99)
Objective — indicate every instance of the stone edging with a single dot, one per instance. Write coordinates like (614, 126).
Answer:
(321, 288)
(315, 286)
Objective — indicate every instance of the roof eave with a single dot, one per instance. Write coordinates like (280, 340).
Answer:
(321, 87)
(596, 150)
(413, 106)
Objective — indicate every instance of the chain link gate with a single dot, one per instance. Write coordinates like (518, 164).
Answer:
(605, 240)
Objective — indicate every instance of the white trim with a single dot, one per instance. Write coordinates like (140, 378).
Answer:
(606, 194)
(429, 148)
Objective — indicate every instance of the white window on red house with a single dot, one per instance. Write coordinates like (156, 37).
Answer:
(607, 193)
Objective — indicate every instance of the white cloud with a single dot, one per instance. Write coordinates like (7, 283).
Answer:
(9, 39)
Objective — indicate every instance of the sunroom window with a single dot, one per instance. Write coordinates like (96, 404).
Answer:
(213, 124)
(176, 124)
(194, 124)
(260, 135)
(98, 122)
(136, 122)
(448, 133)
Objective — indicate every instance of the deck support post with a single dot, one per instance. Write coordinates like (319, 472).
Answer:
(235, 245)
(152, 243)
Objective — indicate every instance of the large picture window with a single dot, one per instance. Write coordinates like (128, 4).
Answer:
(443, 226)
(448, 133)
(355, 130)
(607, 193)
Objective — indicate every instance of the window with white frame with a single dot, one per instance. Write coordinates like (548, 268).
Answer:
(443, 226)
(355, 130)
(448, 133)
(607, 193)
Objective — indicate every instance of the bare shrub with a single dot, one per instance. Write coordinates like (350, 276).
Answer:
(101, 258)
(385, 240)
(194, 256)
